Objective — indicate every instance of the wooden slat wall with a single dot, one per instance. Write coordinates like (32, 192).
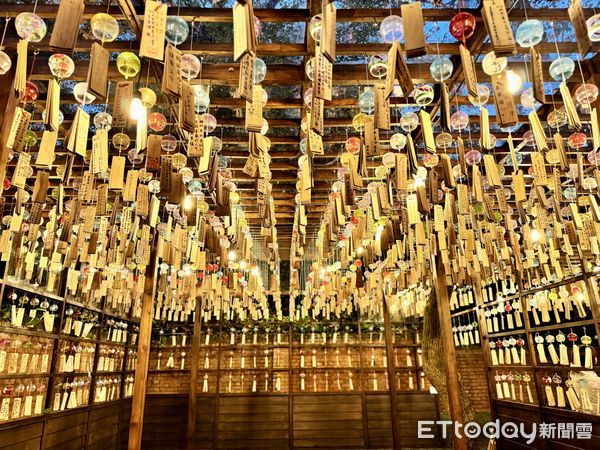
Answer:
(165, 422)
(328, 421)
(379, 421)
(205, 422)
(520, 415)
(98, 427)
(574, 444)
(260, 421)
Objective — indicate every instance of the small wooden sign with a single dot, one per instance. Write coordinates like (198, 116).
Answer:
(98, 71)
(121, 104)
(414, 31)
(152, 42)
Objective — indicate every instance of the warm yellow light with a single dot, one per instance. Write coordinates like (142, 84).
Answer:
(255, 271)
(137, 110)
(535, 235)
(419, 182)
(231, 255)
(514, 81)
(242, 264)
(360, 250)
(188, 203)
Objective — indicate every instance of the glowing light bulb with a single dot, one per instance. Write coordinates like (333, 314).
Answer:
(535, 235)
(242, 265)
(514, 81)
(255, 271)
(360, 250)
(231, 256)
(137, 110)
(188, 203)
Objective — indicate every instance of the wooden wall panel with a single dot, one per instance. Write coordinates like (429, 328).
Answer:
(520, 414)
(328, 421)
(103, 428)
(165, 422)
(26, 436)
(66, 432)
(573, 444)
(379, 421)
(413, 407)
(260, 421)
(124, 418)
(205, 422)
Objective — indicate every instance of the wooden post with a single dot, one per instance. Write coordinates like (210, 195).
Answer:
(389, 354)
(191, 419)
(452, 382)
(143, 355)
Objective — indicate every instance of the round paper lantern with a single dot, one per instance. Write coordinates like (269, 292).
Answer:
(264, 129)
(121, 141)
(378, 65)
(168, 143)
(104, 27)
(147, 97)
(423, 95)
(391, 29)
(409, 121)
(135, 157)
(473, 157)
(128, 64)
(210, 123)
(61, 65)
(530, 33)
(353, 145)
(178, 161)
(201, 99)
(154, 187)
(459, 120)
(441, 68)
(30, 26)
(593, 27)
(177, 30)
(381, 171)
(359, 121)
(389, 160)
(562, 68)
(462, 26)
(493, 65)
(103, 121)
(30, 138)
(528, 139)
(557, 119)
(586, 94)
(577, 140)
(398, 141)
(528, 99)
(366, 102)
(260, 70)
(309, 68)
(432, 160)
(217, 144)
(5, 63)
(157, 121)
(444, 140)
(190, 66)
(81, 94)
(315, 25)
(482, 98)
(31, 92)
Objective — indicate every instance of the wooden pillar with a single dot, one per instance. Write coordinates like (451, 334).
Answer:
(389, 353)
(9, 101)
(452, 382)
(143, 355)
(191, 418)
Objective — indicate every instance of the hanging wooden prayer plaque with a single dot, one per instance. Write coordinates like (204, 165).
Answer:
(496, 21)
(414, 36)
(244, 35)
(505, 105)
(46, 151)
(187, 112)
(196, 138)
(323, 77)
(117, 171)
(154, 150)
(537, 75)
(328, 23)
(98, 71)
(246, 77)
(382, 109)
(254, 110)
(21, 170)
(468, 66)
(18, 128)
(121, 104)
(66, 25)
(171, 81)
(577, 16)
(152, 42)
(316, 116)
(52, 106)
(100, 152)
(369, 137)
(427, 131)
